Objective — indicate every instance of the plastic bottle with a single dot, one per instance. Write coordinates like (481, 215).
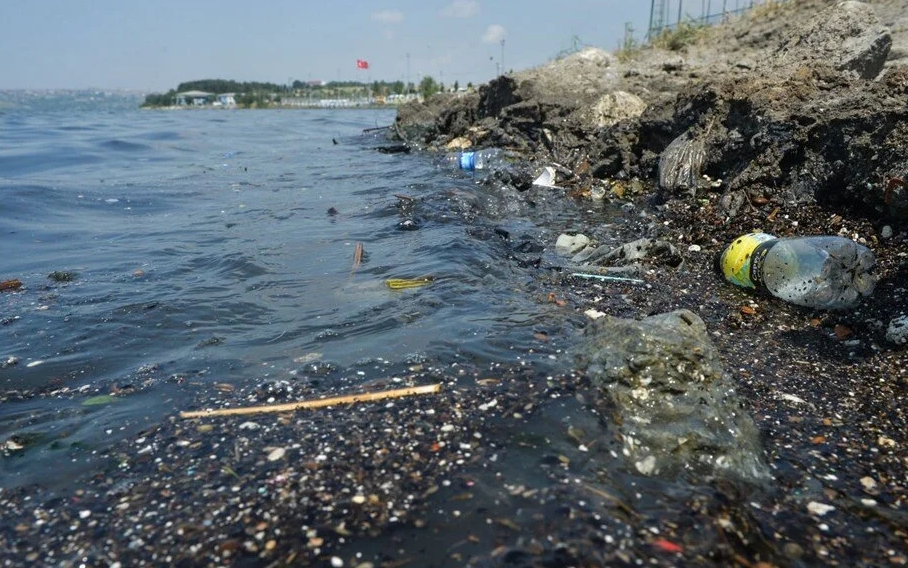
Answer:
(475, 159)
(826, 272)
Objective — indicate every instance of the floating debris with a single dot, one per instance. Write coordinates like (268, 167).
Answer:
(11, 285)
(402, 283)
(357, 257)
(321, 403)
(62, 276)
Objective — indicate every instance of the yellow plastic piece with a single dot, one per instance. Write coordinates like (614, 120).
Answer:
(402, 283)
(736, 258)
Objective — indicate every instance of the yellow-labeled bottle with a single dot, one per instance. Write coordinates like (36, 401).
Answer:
(826, 272)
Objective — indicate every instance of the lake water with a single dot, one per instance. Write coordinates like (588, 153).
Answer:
(218, 247)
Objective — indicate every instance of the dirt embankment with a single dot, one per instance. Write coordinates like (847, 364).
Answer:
(799, 108)
(799, 113)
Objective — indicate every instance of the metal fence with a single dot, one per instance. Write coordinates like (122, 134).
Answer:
(668, 14)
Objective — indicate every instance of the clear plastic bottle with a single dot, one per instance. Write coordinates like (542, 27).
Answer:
(826, 272)
(475, 159)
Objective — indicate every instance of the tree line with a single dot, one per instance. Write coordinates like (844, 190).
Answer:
(251, 94)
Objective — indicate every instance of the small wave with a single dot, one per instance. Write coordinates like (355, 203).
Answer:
(124, 146)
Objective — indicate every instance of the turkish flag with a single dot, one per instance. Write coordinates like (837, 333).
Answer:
(362, 64)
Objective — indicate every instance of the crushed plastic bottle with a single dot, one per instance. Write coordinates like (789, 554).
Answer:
(476, 159)
(825, 272)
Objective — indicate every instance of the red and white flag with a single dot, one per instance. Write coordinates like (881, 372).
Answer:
(362, 64)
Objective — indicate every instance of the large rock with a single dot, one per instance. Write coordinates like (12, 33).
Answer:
(676, 409)
(848, 37)
(617, 106)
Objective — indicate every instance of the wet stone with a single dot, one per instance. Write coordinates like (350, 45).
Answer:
(677, 411)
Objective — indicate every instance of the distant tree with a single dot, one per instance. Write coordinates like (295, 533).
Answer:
(160, 99)
(456, 86)
(428, 87)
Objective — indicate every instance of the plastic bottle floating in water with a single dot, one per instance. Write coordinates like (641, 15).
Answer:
(476, 159)
(825, 272)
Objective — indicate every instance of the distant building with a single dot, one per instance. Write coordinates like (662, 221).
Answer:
(197, 98)
(226, 99)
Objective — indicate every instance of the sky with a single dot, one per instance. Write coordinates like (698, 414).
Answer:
(153, 45)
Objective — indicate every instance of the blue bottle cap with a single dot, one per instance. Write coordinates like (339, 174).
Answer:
(468, 160)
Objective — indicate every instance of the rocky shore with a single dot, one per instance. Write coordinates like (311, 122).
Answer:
(702, 425)
(790, 121)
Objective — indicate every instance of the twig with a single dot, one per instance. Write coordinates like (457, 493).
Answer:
(604, 277)
(321, 403)
(357, 257)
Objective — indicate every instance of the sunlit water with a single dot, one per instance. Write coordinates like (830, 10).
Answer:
(218, 247)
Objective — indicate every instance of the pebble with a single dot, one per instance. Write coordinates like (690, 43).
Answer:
(819, 509)
(276, 454)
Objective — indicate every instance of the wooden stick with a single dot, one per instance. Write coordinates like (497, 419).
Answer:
(291, 406)
(357, 257)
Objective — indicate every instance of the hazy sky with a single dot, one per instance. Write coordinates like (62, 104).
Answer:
(156, 44)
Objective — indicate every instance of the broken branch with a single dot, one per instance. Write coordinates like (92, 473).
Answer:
(305, 404)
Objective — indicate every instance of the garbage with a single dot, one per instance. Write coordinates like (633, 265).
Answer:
(476, 159)
(681, 163)
(825, 272)
(546, 178)
(12, 285)
(317, 403)
(608, 278)
(402, 283)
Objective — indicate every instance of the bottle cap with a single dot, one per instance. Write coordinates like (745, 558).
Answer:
(467, 160)
(734, 262)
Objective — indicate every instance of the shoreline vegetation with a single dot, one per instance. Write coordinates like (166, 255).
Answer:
(220, 93)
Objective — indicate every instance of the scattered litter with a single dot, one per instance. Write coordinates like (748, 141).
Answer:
(819, 509)
(792, 398)
(320, 403)
(99, 400)
(546, 178)
(593, 314)
(11, 285)
(34, 363)
(401, 283)
(681, 163)
(612, 278)
(357, 257)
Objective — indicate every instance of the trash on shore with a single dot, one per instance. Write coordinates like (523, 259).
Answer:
(546, 178)
(826, 272)
(320, 403)
(606, 277)
(403, 283)
(681, 163)
(11, 285)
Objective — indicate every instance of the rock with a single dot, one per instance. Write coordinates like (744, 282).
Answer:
(848, 37)
(897, 331)
(616, 106)
(571, 244)
(676, 410)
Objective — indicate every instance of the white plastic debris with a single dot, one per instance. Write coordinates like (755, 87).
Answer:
(819, 509)
(546, 178)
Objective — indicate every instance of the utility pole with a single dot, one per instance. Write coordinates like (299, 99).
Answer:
(407, 86)
(503, 69)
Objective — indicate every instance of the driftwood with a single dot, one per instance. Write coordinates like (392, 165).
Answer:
(308, 404)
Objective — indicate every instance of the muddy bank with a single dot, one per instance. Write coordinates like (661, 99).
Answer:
(791, 121)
